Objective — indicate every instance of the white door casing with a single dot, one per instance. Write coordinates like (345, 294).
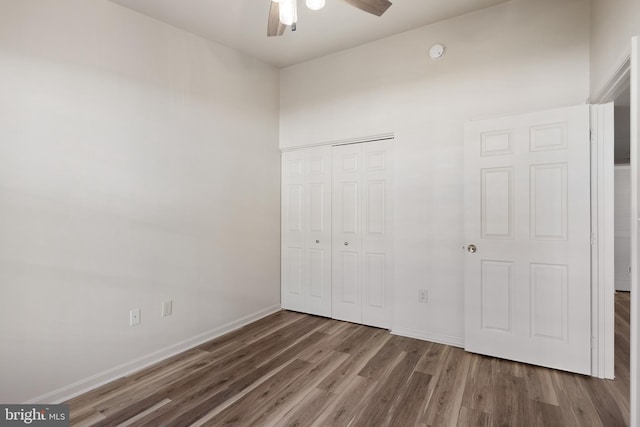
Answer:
(363, 233)
(527, 210)
(635, 239)
(306, 231)
(602, 250)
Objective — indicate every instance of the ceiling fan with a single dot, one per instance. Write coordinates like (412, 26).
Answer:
(284, 13)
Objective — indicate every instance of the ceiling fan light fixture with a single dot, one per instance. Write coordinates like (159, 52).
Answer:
(288, 12)
(315, 4)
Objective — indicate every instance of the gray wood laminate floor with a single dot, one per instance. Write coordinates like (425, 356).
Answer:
(291, 369)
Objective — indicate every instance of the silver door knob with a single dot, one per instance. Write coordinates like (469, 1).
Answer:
(346, 243)
(317, 241)
(472, 249)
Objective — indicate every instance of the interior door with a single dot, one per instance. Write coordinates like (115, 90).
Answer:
(318, 239)
(306, 231)
(363, 233)
(527, 223)
(377, 233)
(293, 231)
(347, 233)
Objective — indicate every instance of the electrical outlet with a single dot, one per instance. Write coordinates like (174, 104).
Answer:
(134, 317)
(167, 308)
(423, 296)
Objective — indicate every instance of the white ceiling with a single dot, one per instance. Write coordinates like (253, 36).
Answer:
(242, 24)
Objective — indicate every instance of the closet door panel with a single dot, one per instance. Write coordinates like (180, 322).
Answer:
(347, 233)
(377, 236)
(294, 277)
(318, 236)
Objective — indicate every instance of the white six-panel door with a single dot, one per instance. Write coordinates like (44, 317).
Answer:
(306, 231)
(347, 233)
(362, 279)
(527, 224)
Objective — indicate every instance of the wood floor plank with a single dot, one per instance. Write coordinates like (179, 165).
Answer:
(308, 410)
(337, 381)
(146, 384)
(384, 402)
(291, 369)
(506, 387)
(473, 418)
(432, 359)
(539, 385)
(577, 406)
(383, 359)
(241, 415)
(293, 393)
(545, 415)
(604, 403)
(414, 401)
(444, 406)
(85, 417)
(259, 328)
(237, 382)
(343, 410)
(379, 406)
(143, 414)
(478, 392)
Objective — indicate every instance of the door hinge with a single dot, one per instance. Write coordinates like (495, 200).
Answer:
(594, 239)
(594, 342)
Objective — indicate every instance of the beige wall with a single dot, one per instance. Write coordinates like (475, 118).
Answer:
(137, 163)
(613, 23)
(519, 56)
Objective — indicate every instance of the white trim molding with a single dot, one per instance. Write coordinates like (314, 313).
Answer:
(618, 82)
(358, 140)
(430, 336)
(602, 241)
(87, 384)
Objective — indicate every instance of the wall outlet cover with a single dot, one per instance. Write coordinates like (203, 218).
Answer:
(134, 317)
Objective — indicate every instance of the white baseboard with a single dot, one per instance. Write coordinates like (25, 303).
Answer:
(72, 390)
(429, 336)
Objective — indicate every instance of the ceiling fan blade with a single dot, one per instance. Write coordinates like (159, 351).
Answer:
(274, 26)
(375, 7)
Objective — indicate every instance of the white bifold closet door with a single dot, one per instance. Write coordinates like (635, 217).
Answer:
(362, 266)
(306, 231)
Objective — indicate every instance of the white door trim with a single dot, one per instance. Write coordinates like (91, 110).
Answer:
(635, 176)
(357, 140)
(618, 82)
(602, 249)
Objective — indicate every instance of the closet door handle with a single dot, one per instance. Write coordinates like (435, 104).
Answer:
(346, 243)
(317, 241)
